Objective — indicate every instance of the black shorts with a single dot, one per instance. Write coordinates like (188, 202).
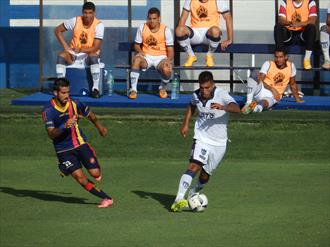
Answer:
(72, 160)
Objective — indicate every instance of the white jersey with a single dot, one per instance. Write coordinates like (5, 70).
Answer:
(211, 125)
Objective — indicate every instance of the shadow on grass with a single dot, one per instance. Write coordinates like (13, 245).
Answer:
(165, 199)
(44, 195)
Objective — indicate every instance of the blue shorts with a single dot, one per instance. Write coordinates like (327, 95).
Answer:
(72, 160)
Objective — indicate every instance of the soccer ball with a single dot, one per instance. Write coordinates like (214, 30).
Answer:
(198, 202)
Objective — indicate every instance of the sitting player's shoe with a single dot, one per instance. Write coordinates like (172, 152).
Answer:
(249, 107)
(132, 94)
(190, 61)
(95, 93)
(179, 204)
(162, 93)
(209, 60)
(107, 202)
(307, 64)
(326, 65)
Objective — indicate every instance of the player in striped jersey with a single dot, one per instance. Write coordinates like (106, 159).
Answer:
(61, 118)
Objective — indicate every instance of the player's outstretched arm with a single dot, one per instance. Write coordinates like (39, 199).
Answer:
(231, 107)
(102, 130)
(54, 133)
(294, 89)
(59, 35)
(185, 124)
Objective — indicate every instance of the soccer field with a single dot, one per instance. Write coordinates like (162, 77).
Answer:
(272, 188)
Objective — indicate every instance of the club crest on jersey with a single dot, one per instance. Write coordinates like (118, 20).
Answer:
(195, 101)
(202, 12)
(278, 78)
(151, 41)
(92, 160)
(296, 17)
(83, 38)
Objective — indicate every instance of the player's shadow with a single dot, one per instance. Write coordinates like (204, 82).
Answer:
(44, 195)
(164, 199)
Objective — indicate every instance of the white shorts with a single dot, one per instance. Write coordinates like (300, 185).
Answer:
(154, 61)
(208, 156)
(265, 94)
(199, 36)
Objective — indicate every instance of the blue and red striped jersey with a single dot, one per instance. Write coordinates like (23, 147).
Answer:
(54, 116)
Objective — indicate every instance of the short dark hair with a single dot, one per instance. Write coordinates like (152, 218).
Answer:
(281, 49)
(153, 10)
(88, 5)
(205, 76)
(60, 82)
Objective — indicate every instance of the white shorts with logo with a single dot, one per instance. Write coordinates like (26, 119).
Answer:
(154, 61)
(199, 36)
(208, 156)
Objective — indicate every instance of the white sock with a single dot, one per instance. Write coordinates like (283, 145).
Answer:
(252, 87)
(308, 54)
(258, 108)
(60, 70)
(163, 83)
(95, 70)
(187, 46)
(324, 39)
(184, 184)
(197, 187)
(213, 45)
(134, 76)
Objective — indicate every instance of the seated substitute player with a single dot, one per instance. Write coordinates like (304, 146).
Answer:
(154, 47)
(86, 43)
(265, 89)
(324, 38)
(210, 137)
(61, 117)
(297, 24)
(204, 28)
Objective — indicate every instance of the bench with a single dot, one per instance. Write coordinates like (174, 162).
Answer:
(237, 48)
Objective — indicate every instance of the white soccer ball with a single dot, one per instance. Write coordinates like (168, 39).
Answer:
(198, 202)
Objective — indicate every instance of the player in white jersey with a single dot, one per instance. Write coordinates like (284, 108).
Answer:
(324, 39)
(210, 135)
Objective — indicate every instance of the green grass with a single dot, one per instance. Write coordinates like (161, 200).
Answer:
(272, 189)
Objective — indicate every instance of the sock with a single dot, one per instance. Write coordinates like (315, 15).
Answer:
(213, 44)
(197, 187)
(95, 70)
(60, 70)
(184, 42)
(90, 187)
(184, 184)
(252, 87)
(258, 108)
(308, 54)
(163, 83)
(134, 76)
(324, 39)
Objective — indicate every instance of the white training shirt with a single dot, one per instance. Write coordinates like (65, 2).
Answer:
(222, 5)
(265, 67)
(168, 36)
(99, 30)
(211, 125)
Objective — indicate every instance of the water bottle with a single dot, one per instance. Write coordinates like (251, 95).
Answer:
(175, 89)
(110, 83)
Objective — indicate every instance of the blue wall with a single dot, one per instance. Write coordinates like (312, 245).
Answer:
(19, 46)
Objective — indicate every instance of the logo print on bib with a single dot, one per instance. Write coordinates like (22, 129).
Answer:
(202, 12)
